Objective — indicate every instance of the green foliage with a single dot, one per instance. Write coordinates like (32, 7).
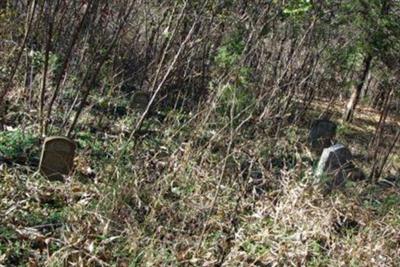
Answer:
(229, 54)
(391, 202)
(319, 257)
(38, 59)
(255, 249)
(349, 57)
(235, 95)
(373, 30)
(297, 7)
(236, 99)
(90, 142)
(14, 144)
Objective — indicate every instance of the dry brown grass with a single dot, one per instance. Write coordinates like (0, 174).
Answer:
(179, 201)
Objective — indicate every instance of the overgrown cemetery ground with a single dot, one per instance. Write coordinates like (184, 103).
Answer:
(183, 197)
(199, 133)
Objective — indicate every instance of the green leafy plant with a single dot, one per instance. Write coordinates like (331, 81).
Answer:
(16, 144)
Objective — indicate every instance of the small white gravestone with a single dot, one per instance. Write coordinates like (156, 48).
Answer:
(335, 163)
(57, 157)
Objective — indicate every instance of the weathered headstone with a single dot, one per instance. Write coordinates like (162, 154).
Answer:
(335, 164)
(321, 135)
(57, 157)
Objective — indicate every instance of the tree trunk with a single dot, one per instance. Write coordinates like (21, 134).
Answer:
(355, 95)
(367, 85)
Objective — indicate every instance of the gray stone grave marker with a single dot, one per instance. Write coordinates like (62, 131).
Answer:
(57, 157)
(336, 164)
(321, 135)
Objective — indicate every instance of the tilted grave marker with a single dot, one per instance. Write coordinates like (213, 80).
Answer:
(57, 157)
(336, 164)
(321, 135)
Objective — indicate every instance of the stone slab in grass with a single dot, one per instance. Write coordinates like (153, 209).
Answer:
(335, 164)
(57, 157)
